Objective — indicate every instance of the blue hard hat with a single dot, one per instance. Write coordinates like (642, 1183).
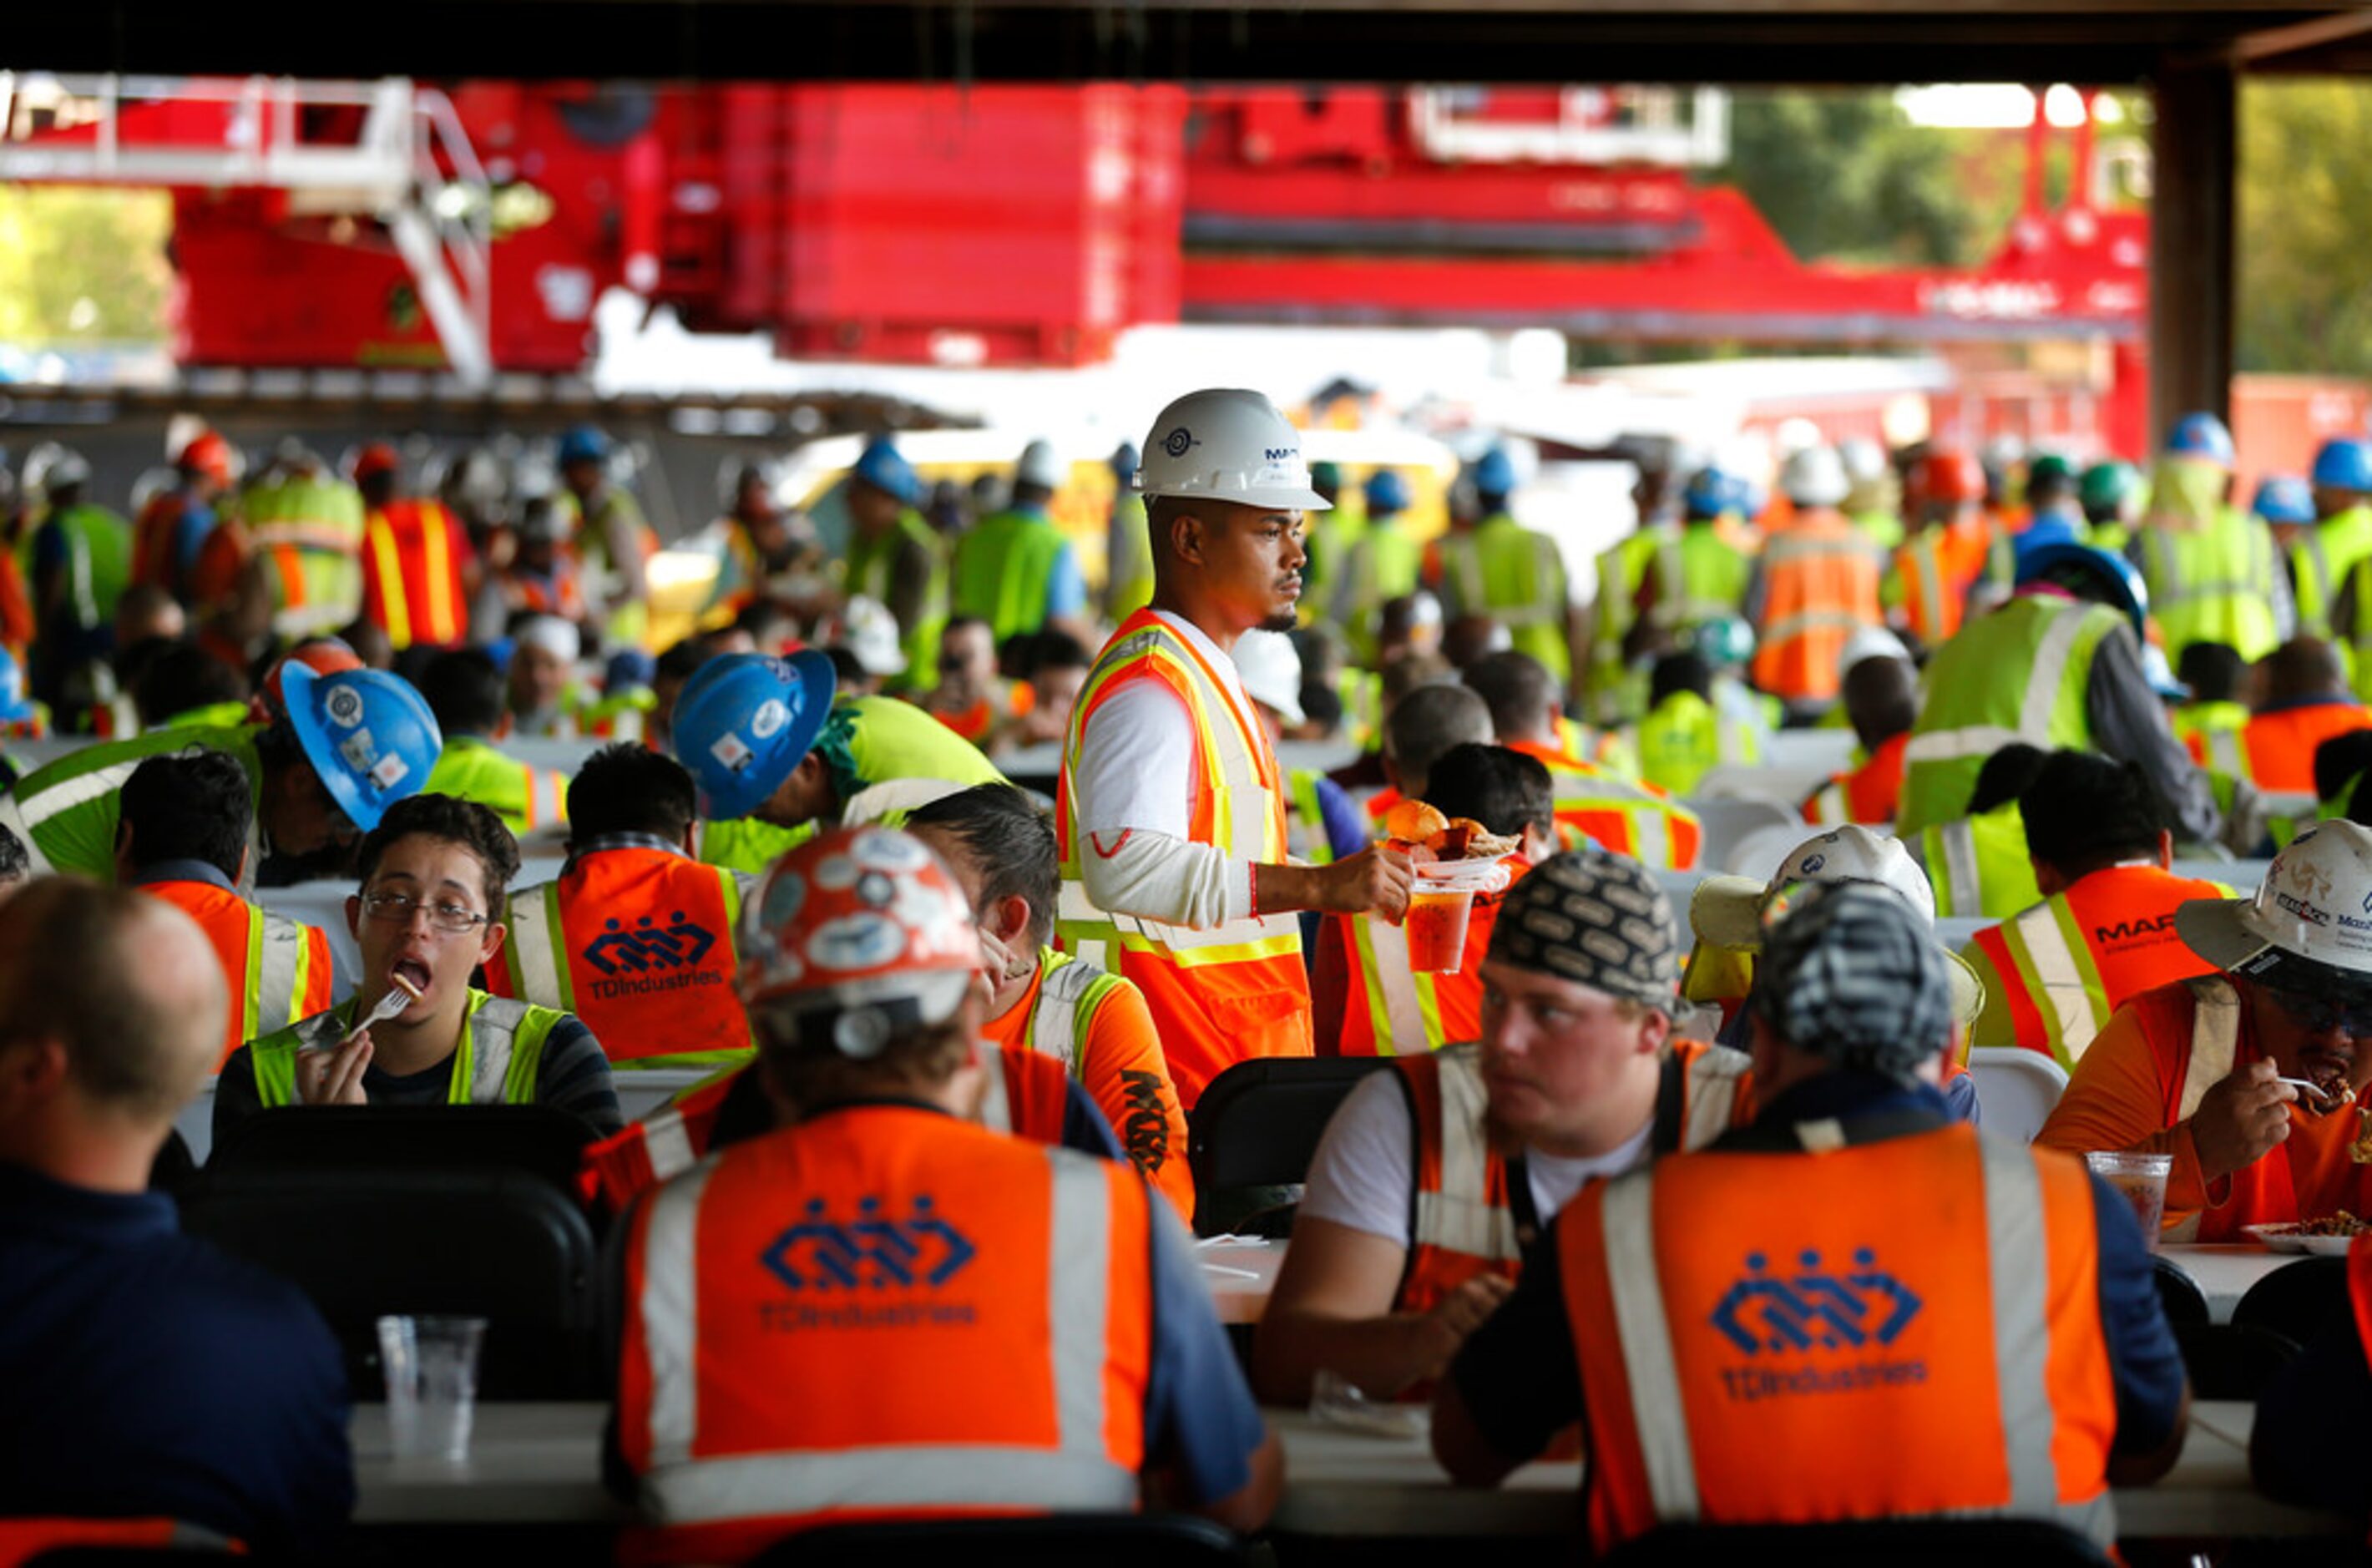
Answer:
(15, 706)
(368, 735)
(743, 722)
(584, 443)
(2097, 575)
(882, 466)
(1747, 498)
(1123, 462)
(1388, 492)
(2283, 498)
(1710, 493)
(629, 667)
(2344, 463)
(2201, 436)
(1494, 473)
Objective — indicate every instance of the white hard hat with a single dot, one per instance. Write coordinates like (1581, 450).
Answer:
(1229, 445)
(2306, 926)
(1271, 667)
(869, 631)
(1870, 642)
(1864, 459)
(1814, 476)
(1038, 466)
(51, 467)
(556, 636)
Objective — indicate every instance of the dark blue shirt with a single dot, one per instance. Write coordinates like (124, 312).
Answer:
(150, 1375)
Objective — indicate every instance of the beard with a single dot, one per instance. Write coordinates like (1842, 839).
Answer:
(1285, 621)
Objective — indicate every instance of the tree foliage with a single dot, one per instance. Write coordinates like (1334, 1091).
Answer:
(1844, 174)
(83, 266)
(2304, 228)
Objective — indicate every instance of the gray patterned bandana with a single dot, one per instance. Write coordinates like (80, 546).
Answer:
(1596, 919)
(1849, 974)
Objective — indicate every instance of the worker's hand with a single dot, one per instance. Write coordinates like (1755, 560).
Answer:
(1463, 1310)
(1375, 878)
(334, 1077)
(2240, 1120)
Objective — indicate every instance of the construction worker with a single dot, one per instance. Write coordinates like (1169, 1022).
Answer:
(1881, 699)
(464, 691)
(1014, 569)
(1699, 572)
(609, 536)
(2326, 557)
(763, 738)
(1615, 691)
(2211, 571)
(1672, 1322)
(971, 698)
(1516, 575)
(351, 746)
(765, 551)
(635, 937)
(183, 836)
(1592, 803)
(1381, 563)
(187, 688)
(1058, 673)
(171, 529)
(2104, 930)
(2284, 504)
(622, 711)
(894, 557)
(427, 913)
(1873, 503)
(757, 1400)
(2194, 1069)
(1326, 536)
(1948, 548)
(1000, 849)
(1366, 999)
(298, 547)
(2054, 514)
(77, 559)
(2216, 710)
(415, 558)
(540, 694)
(2060, 666)
(1419, 729)
(1684, 736)
(541, 577)
(1978, 863)
(1128, 551)
(2112, 493)
(1433, 1180)
(1815, 584)
(2302, 701)
(1170, 810)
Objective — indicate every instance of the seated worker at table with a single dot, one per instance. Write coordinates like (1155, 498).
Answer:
(153, 1382)
(1000, 849)
(2104, 931)
(465, 692)
(1432, 1180)
(1998, 1350)
(433, 874)
(1029, 1333)
(2194, 1069)
(636, 937)
(1881, 701)
(181, 837)
(1418, 731)
(2304, 700)
(1366, 1000)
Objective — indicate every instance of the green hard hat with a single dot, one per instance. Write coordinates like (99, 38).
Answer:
(2051, 465)
(2105, 485)
(1327, 477)
(1724, 642)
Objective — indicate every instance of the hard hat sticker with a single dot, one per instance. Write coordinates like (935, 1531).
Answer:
(856, 942)
(390, 772)
(360, 754)
(344, 707)
(730, 753)
(768, 720)
(1178, 442)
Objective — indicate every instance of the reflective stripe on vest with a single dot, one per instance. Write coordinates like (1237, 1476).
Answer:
(2214, 1045)
(2045, 677)
(500, 1053)
(1403, 1008)
(1070, 993)
(2062, 979)
(1962, 884)
(1303, 781)
(280, 967)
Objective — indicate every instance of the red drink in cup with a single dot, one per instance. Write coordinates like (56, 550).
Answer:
(1437, 930)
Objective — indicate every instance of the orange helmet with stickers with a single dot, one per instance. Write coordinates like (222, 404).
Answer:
(322, 656)
(861, 935)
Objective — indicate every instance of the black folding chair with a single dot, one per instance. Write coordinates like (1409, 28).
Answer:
(500, 1244)
(1061, 1541)
(2232, 1361)
(2298, 1300)
(1255, 1130)
(1931, 1543)
(174, 1167)
(2179, 1294)
(535, 1140)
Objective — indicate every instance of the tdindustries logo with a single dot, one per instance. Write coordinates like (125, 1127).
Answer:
(1816, 1329)
(903, 1262)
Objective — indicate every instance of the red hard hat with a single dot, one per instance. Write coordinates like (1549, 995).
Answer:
(208, 453)
(377, 458)
(1947, 473)
(322, 656)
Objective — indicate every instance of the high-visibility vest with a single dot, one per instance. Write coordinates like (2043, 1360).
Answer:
(2320, 562)
(1236, 990)
(1698, 575)
(1882, 527)
(412, 553)
(278, 970)
(1686, 737)
(629, 624)
(97, 564)
(1305, 834)
(1389, 1010)
(526, 797)
(309, 531)
(2064, 965)
(1004, 700)
(2279, 747)
(624, 716)
(24, 1541)
(1770, 1338)
(1381, 565)
(1867, 794)
(1003, 566)
(1472, 1210)
(2212, 585)
(1979, 865)
(1504, 570)
(1820, 586)
(1128, 560)
(747, 844)
(2211, 733)
(1614, 694)
(1934, 569)
(881, 1312)
(1362, 691)
(871, 568)
(66, 813)
(2020, 673)
(561, 593)
(156, 540)
(495, 1063)
(1636, 819)
(885, 738)
(1326, 541)
(638, 943)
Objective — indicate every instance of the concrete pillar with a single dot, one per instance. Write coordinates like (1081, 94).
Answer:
(2191, 241)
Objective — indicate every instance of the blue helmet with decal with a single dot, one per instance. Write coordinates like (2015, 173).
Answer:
(368, 735)
(2283, 498)
(584, 443)
(2201, 436)
(745, 720)
(2096, 574)
(1387, 492)
(884, 466)
(1494, 475)
(2344, 463)
(1710, 493)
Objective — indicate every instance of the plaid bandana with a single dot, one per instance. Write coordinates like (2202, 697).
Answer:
(1596, 919)
(1848, 974)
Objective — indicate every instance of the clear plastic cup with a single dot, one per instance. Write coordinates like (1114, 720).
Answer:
(1440, 905)
(2141, 1180)
(431, 1384)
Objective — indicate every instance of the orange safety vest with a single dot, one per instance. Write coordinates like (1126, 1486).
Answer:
(1007, 700)
(1866, 795)
(881, 1313)
(1472, 1209)
(1906, 1328)
(563, 596)
(1387, 1009)
(2121, 918)
(1820, 586)
(153, 539)
(1237, 990)
(413, 555)
(2279, 746)
(22, 1541)
(1627, 817)
(638, 942)
(278, 971)
(1937, 568)
(1026, 1097)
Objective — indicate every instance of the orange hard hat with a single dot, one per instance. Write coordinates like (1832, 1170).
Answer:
(1947, 473)
(377, 458)
(322, 656)
(208, 453)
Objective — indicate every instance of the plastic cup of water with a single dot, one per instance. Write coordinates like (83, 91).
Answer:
(432, 1383)
(2141, 1180)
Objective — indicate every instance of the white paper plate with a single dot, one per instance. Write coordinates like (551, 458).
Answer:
(2284, 1238)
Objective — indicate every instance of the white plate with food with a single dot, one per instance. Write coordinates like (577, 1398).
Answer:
(2325, 1237)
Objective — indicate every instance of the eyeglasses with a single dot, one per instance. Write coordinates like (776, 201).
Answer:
(397, 908)
(2320, 1015)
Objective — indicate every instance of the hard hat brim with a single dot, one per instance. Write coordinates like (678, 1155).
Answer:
(1727, 912)
(1267, 498)
(818, 682)
(2226, 932)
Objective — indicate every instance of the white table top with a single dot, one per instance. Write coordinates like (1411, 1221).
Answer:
(2224, 1270)
(541, 1464)
(1240, 1271)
